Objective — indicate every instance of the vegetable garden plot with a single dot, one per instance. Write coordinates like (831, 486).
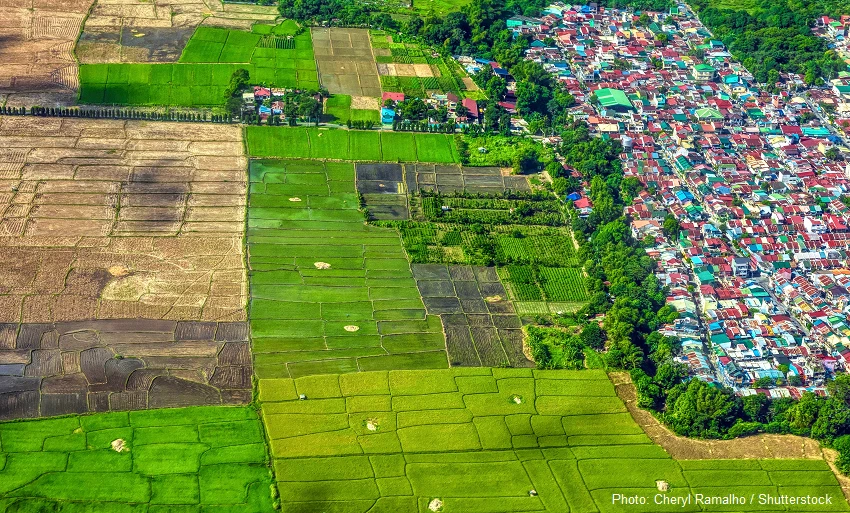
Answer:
(480, 324)
(322, 280)
(184, 459)
(524, 231)
(494, 440)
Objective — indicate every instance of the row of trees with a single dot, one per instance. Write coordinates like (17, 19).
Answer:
(424, 126)
(338, 12)
(112, 113)
(360, 124)
(13, 111)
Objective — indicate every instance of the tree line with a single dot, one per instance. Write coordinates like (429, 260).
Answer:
(112, 113)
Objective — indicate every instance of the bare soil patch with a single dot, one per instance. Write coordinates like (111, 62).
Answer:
(121, 364)
(406, 70)
(365, 103)
(479, 331)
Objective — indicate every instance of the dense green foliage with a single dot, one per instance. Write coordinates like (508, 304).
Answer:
(695, 408)
(776, 36)
(620, 278)
(553, 348)
(540, 100)
(639, 5)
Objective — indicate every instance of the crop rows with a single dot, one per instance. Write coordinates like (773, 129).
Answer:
(281, 43)
(419, 86)
(563, 284)
(549, 250)
(492, 211)
(553, 284)
(520, 229)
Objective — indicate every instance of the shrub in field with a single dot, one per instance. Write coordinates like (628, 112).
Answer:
(553, 348)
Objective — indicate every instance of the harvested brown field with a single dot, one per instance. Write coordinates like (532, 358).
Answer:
(104, 219)
(37, 51)
(365, 103)
(469, 84)
(75, 367)
(407, 70)
(345, 61)
(144, 31)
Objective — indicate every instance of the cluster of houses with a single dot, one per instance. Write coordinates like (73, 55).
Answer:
(759, 271)
(450, 101)
(269, 101)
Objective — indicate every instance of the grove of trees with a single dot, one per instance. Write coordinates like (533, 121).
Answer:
(775, 35)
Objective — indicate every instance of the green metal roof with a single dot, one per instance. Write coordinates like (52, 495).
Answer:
(708, 113)
(613, 98)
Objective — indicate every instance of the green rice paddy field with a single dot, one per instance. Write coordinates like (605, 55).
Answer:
(480, 440)
(203, 73)
(329, 293)
(338, 110)
(314, 143)
(210, 459)
(475, 439)
(331, 296)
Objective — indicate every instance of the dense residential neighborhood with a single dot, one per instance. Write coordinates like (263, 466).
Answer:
(753, 176)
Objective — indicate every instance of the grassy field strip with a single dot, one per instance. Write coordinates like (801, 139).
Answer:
(481, 439)
(203, 73)
(330, 294)
(314, 143)
(210, 459)
(338, 110)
